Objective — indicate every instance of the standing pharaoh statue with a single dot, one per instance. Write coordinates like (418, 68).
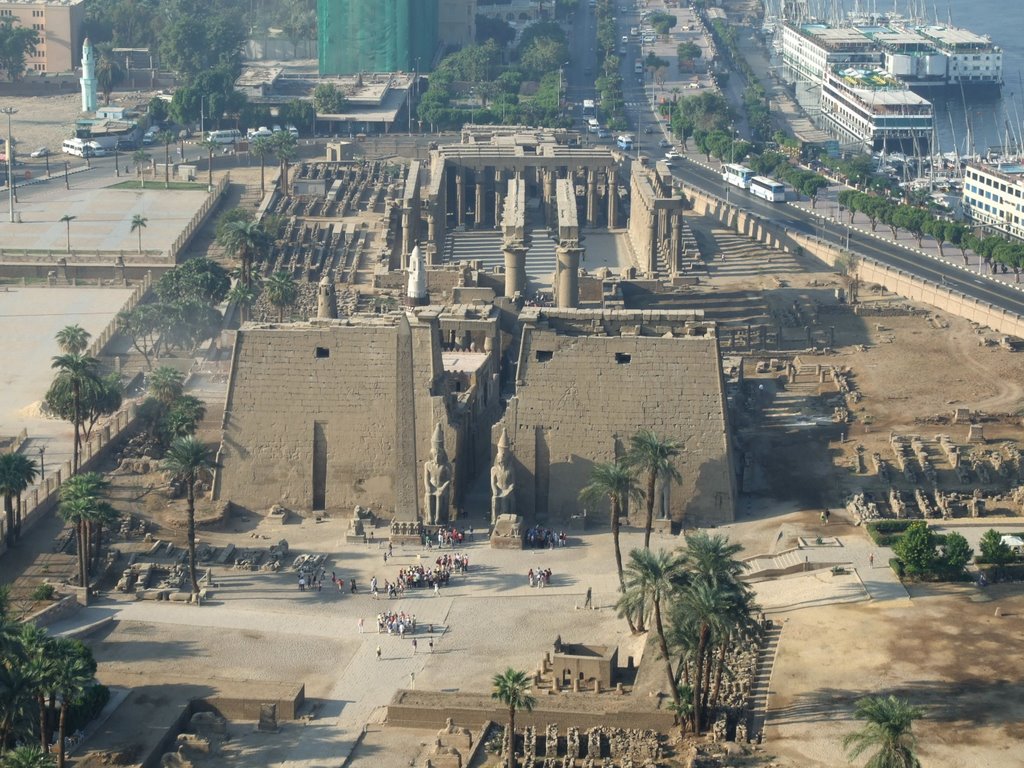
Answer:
(437, 482)
(503, 481)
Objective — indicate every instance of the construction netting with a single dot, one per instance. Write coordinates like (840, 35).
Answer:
(376, 35)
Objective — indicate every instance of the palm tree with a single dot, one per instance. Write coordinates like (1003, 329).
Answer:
(82, 505)
(286, 148)
(74, 373)
(713, 558)
(139, 223)
(281, 292)
(67, 218)
(512, 688)
(72, 677)
(612, 481)
(210, 146)
(73, 339)
(17, 473)
(104, 515)
(166, 138)
(649, 454)
(248, 241)
(37, 650)
(243, 296)
(26, 757)
(260, 147)
(166, 384)
(887, 729)
(652, 578)
(140, 158)
(17, 695)
(188, 459)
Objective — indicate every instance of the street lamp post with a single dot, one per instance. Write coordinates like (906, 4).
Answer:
(10, 159)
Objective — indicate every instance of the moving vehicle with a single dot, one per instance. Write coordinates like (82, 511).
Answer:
(737, 175)
(96, 149)
(638, 67)
(649, 39)
(664, 143)
(768, 189)
(76, 147)
(231, 136)
(41, 152)
(625, 141)
(589, 108)
(634, 31)
(593, 126)
(603, 133)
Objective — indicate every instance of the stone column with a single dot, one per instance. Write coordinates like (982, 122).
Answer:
(408, 234)
(499, 196)
(478, 208)
(676, 246)
(515, 268)
(460, 197)
(567, 279)
(613, 199)
(591, 198)
(431, 228)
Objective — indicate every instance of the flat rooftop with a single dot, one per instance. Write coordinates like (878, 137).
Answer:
(955, 36)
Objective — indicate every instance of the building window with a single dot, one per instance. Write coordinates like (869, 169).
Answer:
(322, 352)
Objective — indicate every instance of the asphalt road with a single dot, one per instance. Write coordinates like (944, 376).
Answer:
(950, 275)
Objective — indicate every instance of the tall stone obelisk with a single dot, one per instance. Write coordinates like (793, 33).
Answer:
(88, 79)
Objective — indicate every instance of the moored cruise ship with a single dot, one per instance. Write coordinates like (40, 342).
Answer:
(870, 108)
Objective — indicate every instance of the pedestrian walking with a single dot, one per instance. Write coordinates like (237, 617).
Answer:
(302, 583)
(437, 589)
(360, 625)
(871, 559)
(430, 644)
(378, 653)
(414, 646)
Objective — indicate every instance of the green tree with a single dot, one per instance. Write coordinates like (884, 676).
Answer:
(612, 481)
(158, 111)
(210, 146)
(81, 502)
(73, 677)
(66, 220)
(286, 149)
(498, 30)
(101, 397)
(887, 729)
(652, 579)
(183, 417)
(26, 756)
(654, 458)
(956, 554)
(16, 43)
(17, 473)
(328, 99)
(686, 53)
(243, 296)
(74, 374)
(199, 279)
(993, 549)
(260, 147)
(166, 138)
(142, 326)
(281, 292)
(140, 159)
(166, 385)
(197, 37)
(139, 223)
(512, 688)
(246, 240)
(109, 73)
(916, 548)
(73, 339)
(188, 460)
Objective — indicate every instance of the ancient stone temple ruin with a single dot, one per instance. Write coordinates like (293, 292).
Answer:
(586, 380)
(328, 415)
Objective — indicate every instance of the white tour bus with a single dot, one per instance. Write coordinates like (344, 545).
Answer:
(625, 141)
(737, 175)
(768, 189)
(76, 147)
(232, 136)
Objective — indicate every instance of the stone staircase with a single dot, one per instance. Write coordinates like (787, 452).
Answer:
(778, 564)
(760, 687)
(795, 406)
(485, 246)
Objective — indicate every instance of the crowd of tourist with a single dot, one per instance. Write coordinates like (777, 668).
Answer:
(545, 538)
(539, 578)
(396, 623)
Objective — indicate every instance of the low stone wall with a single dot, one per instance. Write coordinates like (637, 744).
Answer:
(430, 711)
(38, 502)
(54, 612)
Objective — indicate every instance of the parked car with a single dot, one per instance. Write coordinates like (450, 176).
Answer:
(262, 131)
(41, 152)
(604, 133)
(649, 130)
(292, 130)
(664, 143)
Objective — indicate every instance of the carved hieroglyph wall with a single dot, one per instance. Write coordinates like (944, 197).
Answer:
(586, 382)
(330, 415)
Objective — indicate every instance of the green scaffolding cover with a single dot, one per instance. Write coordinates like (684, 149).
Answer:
(376, 35)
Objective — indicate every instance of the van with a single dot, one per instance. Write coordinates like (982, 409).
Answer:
(292, 130)
(96, 149)
(231, 136)
(76, 147)
(593, 125)
(638, 67)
